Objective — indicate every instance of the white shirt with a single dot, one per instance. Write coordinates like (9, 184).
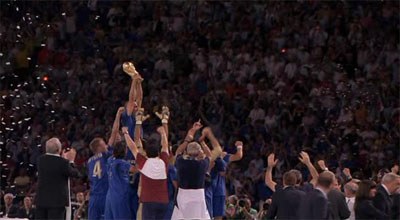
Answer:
(56, 155)
(350, 204)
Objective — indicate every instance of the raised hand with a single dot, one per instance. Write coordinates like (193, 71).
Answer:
(120, 110)
(238, 143)
(140, 117)
(346, 172)
(304, 158)
(69, 155)
(271, 160)
(321, 164)
(164, 115)
(124, 130)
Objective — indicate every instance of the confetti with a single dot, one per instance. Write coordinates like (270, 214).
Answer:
(1, 54)
(18, 27)
(17, 9)
(8, 63)
(84, 107)
(43, 45)
(63, 14)
(28, 58)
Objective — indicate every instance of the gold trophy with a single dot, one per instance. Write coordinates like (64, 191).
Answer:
(129, 69)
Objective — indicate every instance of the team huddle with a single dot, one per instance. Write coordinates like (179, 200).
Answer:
(131, 179)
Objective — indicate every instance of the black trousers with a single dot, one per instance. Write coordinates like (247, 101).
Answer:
(154, 210)
(50, 213)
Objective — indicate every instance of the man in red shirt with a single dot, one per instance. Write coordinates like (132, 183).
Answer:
(153, 172)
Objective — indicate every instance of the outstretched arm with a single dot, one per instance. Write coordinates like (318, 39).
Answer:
(217, 150)
(131, 144)
(132, 97)
(268, 173)
(164, 139)
(140, 117)
(115, 128)
(305, 159)
(164, 117)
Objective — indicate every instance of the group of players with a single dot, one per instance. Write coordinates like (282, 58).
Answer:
(151, 181)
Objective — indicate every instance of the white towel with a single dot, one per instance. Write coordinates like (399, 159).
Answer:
(154, 168)
(191, 205)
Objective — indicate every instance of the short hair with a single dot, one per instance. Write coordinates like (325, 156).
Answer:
(389, 178)
(351, 186)
(119, 151)
(325, 179)
(299, 176)
(193, 148)
(289, 178)
(94, 144)
(53, 146)
(152, 148)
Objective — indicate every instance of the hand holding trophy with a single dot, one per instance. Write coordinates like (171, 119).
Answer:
(130, 69)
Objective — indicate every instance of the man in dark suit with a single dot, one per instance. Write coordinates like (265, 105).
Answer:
(389, 185)
(315, 204)
(338, 208)
(53, 173)
(286, 201)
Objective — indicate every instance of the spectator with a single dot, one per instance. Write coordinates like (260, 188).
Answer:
(9, 210)
(363, 207)
(350, 190)
(27, 210)
(389, 185)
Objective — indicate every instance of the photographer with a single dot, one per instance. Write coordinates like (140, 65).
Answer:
(262, 214)
(244, 210)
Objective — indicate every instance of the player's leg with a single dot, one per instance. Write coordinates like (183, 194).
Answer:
(218, 207)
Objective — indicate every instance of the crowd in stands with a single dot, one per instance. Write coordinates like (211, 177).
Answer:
(283, 77)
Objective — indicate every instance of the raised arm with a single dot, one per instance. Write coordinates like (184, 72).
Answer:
(140, 117)
(268, 173)
(164, 139)
(217, 150)
(206, 150)
(131, 144)
(115, 128)
(239, 152)
(305, 159)
(164, 117)
(132, 98)
(189, 137)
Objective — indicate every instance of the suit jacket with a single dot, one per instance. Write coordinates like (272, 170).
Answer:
(23, 214)
(313, 206)
(338, 208)
(53, 177)
(396, 206)
(382, 200)
(12, 212)
(365, 209)
(285, 203)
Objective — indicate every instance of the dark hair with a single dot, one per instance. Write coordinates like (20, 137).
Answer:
(119, 151)
(152, 148)
(289, 178)
(363, 192)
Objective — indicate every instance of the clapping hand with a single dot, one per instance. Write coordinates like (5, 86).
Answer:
(140, 117)
(164, 115)
(69, 155)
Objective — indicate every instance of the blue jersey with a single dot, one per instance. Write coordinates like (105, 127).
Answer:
(97, 170)
(218, 181)
(172, 176)
(118, 177)
(130, 122)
